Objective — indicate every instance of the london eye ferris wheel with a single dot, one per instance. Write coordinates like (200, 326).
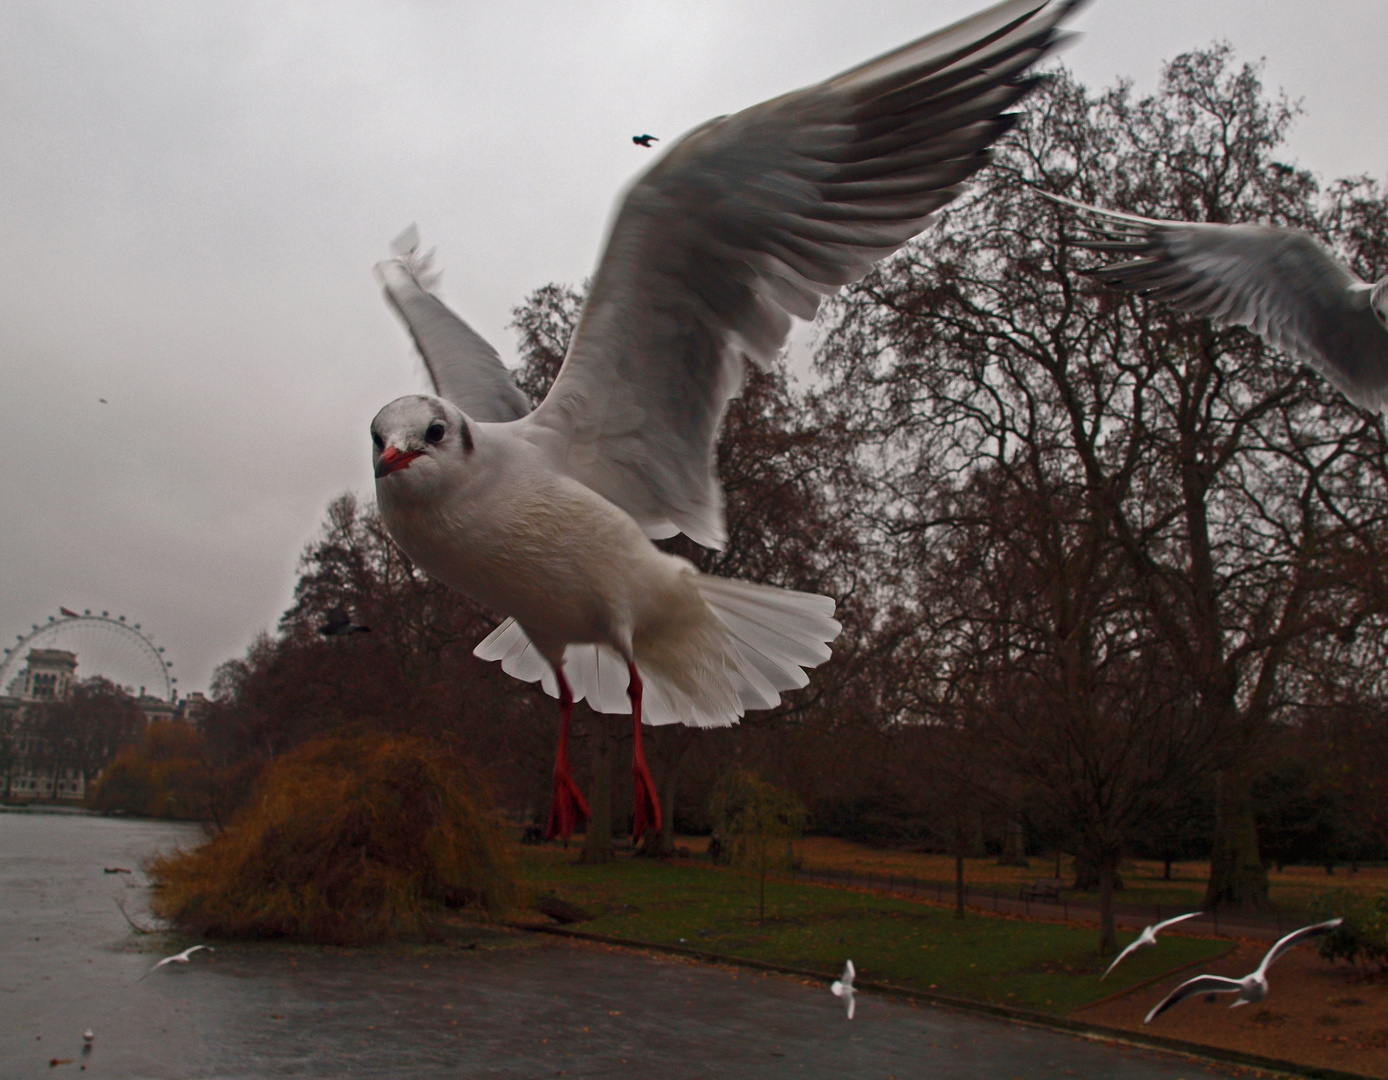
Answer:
(106, 645)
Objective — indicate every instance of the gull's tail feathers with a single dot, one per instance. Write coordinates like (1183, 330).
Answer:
(707, 672)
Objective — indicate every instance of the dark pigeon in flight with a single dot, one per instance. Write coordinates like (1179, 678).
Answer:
(644, 140)
(340, 625)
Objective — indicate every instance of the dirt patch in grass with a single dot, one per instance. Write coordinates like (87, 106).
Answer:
(1315, 1014)
(1293, 889)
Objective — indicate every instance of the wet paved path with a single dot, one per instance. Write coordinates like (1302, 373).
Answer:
(516, 1007)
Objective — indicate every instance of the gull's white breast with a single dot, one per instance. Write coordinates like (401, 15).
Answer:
(534, 544)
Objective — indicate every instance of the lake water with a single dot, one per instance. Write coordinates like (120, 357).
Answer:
(520, 1006)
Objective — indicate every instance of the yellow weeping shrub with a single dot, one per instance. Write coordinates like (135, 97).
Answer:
(346, 841)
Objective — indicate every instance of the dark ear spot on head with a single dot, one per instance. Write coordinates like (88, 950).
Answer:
(466, 434)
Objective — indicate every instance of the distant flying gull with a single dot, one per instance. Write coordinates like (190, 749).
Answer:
(340, 625)
(103, 401)
(644, 140)
(1280, 283)
(1148, 937)
(178, 958)
(843, 987)
(1251, 988)
(88, 1035)
(746, 221)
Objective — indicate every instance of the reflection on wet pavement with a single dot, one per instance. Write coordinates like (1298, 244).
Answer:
(516, 1006)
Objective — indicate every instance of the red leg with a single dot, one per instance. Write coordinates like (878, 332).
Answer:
(567, 808)
(647, 815)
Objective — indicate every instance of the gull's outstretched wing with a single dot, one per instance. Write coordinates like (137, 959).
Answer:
(156, 967)
(1296, 937)
(1132, 948)
(849, 973)
(1201, 984)
(1159, 927)
(465, 369)
(750, 219)
(1280, 283)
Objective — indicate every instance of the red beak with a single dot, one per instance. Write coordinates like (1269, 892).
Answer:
(392, 460)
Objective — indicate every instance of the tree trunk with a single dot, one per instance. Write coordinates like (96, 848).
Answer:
(959, 872)
(665, 842)
(973, 838)
(1014, 846)
(1108, 940)
(1238, 878)
(673, 747)
(597, 842)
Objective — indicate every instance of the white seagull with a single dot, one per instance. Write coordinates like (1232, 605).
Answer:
(843, 987)
(1251, 988)
(1148, 937)
(748, 220)
(1280, 283)
(178, 958)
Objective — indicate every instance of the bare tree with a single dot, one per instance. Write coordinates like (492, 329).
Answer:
(1188, 502)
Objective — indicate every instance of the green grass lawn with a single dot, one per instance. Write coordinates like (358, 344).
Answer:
(1039, 965)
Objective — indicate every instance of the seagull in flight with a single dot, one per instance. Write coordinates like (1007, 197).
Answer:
(644, 140)
(178, 958)
(1280, 283)
(1251, 988)
(340, 625)
(842, 987)
(1148, 937)
(547, 515)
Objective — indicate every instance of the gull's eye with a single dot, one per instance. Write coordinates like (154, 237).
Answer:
(377, 441)
(434, 433)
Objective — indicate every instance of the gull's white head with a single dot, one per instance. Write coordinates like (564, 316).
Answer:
(418, 443)
(1378, 300)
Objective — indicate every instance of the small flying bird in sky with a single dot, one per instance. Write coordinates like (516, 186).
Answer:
(547, 515)
(644, 140)
(339, 624)
(103, 401)
(1280, 283)
(1148, 937)
(178, 958)
(1251, 988)
(843, 987)
(88, 1035)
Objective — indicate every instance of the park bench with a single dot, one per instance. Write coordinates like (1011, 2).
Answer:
(1043, 889)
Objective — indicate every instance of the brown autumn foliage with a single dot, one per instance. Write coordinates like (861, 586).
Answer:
(346, 841)
(162, 774)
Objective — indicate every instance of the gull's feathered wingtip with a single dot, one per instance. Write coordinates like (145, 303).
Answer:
(407, 257)
(1038, 19)
(409, 263)
(407, 242)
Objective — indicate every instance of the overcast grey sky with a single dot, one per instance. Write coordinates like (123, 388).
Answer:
(192, 196)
